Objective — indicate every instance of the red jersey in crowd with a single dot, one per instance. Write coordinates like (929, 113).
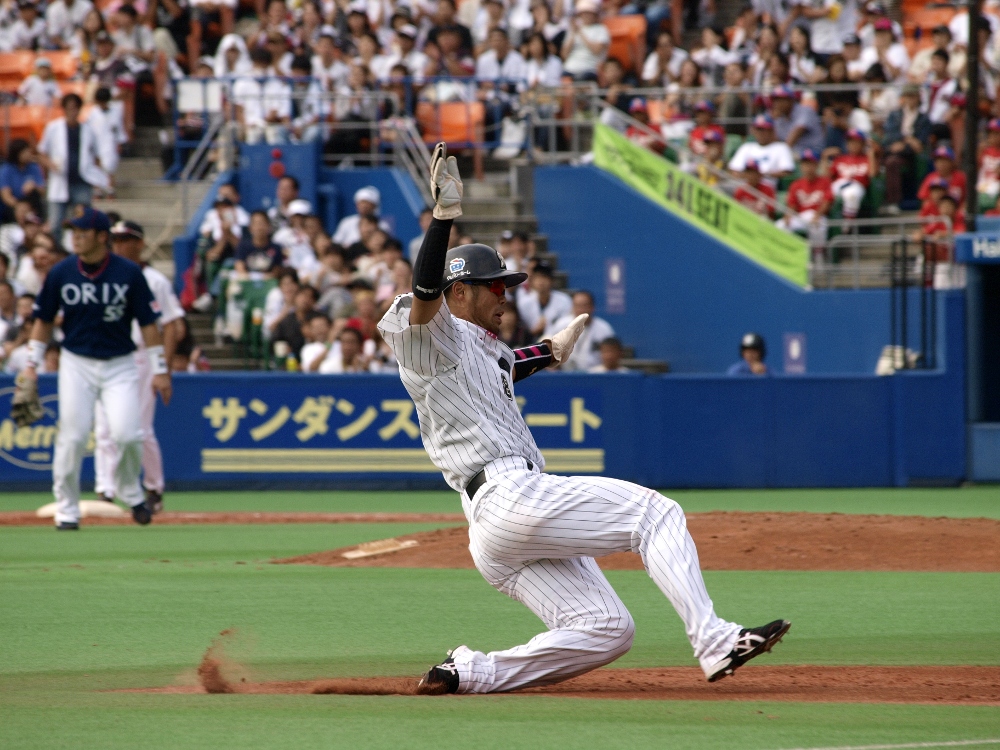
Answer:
(806, 195)
(696, 140)
(956, 185)
(989, 170)
(755, 204)
(929, 208)
(848, 167)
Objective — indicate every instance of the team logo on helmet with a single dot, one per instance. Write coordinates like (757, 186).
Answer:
(456, 265)
(503, 264)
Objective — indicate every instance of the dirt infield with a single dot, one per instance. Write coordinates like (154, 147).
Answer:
(758, 541)
(28, 518)
(940, 685)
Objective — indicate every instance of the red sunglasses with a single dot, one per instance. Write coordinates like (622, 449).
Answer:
(497, 286)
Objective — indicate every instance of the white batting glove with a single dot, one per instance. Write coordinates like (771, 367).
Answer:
(446, 184)
(563, 342)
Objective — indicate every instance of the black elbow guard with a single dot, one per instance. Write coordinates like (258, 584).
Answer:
(429, 269)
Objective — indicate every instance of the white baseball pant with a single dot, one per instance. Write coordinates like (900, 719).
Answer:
(851, 194)
(106, 451)
(82, 383)
(534, 536)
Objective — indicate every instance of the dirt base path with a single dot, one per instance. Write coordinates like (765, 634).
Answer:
(756, 541)
(942, 685)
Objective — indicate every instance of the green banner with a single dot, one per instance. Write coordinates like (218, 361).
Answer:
(710, 210)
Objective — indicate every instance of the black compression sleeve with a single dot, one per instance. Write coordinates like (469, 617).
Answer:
(429, 270)
(531, 359)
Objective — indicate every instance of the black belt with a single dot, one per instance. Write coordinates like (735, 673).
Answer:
(480, 479)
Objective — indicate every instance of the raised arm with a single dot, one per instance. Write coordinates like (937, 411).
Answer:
(446, 188)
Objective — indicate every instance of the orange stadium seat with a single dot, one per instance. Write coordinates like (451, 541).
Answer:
(73, 87)
(26, 121)
(628, 40)
(927, 19)
(15, 67)
(452, 122)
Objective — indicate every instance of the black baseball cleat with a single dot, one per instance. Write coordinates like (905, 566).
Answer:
(751, 642)
(106, 497)
(439, 680)
(154, 501)
(141, 514)
(67, 526)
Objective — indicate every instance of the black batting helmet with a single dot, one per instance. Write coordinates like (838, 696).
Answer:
(753, 340)
(477, 263)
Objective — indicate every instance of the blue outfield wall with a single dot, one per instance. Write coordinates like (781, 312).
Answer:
(688, 297)
(284, 430)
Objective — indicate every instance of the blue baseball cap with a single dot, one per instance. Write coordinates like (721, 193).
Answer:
(91, 218)
(944, 152)
(763, 121)
(809, 154)
(783, 92)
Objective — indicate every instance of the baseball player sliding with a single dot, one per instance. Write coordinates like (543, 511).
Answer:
(99, 295)
(533, 536)
(128, 239)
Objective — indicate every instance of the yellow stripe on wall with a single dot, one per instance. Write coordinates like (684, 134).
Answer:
(361, 460)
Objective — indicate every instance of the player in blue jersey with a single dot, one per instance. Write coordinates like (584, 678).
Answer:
(99, 295)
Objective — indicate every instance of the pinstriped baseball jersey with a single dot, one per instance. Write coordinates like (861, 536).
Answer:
(460, 377)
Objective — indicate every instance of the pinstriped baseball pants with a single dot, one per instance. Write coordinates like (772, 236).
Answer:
(534, 537)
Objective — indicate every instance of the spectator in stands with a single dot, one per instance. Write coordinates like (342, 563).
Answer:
(639, 111)
(290, 328)
(500, 70)
(106, 121)
(35, 266)
(795, 123)
(704, 115)
(232, 59)
(922, 61)
(133, 40)
(586, 353)
(17, 237)
(768, 43)
(543, 68)
(663, 65)
(612, 79)
(586, 43)
(414, 248)
(713, 57)
(318, 344)
(69, 151)
(803, 66)
(347, 355)
(938, 91)
(512, 329)
(810, 198)
(887, 51)
(28, 32)
(327, 64)
(256, 251)
(941, 203)
(988, 181)
(445, 22)
(367, 201)
(40, 88)
(907, 132)
(308, 107)
(851, 173)
(21, 179)
(712, 162)
(110, 70)
(8, 310)
(774, 158)
(15, 346)
(63, 18)
(852, 57)
(294, 241)
(610, 352)
(84, 41)
(829, 20)
(734, 106)
(188, 357)
(263, 102)
(753, 351)
(944, 167)
(755, 190)
(541, 305)
(280, 301)
(543, 22)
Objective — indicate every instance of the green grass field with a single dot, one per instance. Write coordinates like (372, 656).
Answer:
(123, 607)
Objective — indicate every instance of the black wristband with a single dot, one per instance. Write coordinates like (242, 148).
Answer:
(429, 269)
(531, 359)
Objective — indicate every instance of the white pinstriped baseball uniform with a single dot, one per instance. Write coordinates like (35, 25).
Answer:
(533, 535)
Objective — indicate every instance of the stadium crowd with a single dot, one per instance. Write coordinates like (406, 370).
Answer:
(325, 292)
